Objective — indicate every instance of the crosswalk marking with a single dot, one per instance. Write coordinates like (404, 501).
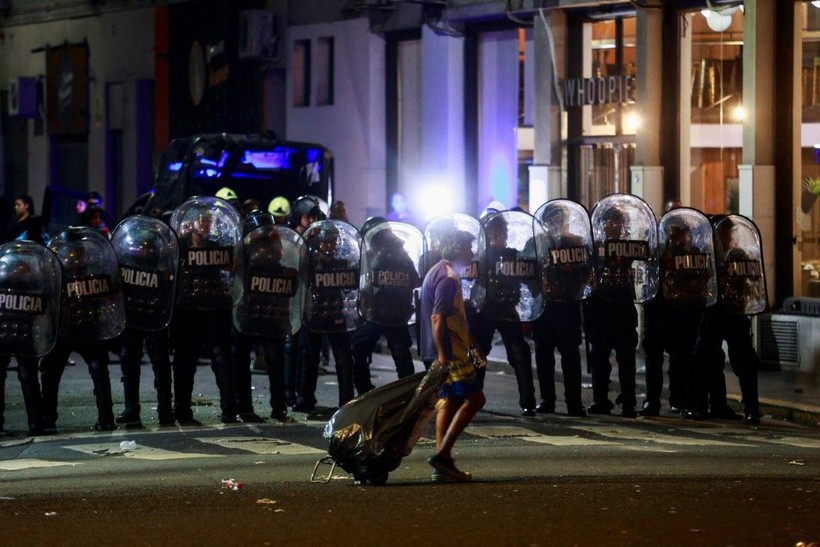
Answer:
(563, 440)
(789, 441)
(653, 436)
(30, 463)
(500, 431)
(141, 452)
(262, 445)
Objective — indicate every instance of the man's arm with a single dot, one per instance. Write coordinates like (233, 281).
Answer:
(438, 322)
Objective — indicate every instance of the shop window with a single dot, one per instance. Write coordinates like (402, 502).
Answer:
(807, 249)
(300, 73)
(716, 85)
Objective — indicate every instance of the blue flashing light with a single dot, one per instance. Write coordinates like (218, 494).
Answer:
(206, 161)
(313, 154)
(266, 159)
(174, 166)
(208, 173)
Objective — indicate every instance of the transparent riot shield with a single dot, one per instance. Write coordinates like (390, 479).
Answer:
(739, 261)
(509, 279)
(30, 277)
(92, 306)
(391, 252)
(210, 240)
(147, 254)
(440, 227)
(333, 277)
(271, 273)
(625, 236)
(687, 259)
(565, 251)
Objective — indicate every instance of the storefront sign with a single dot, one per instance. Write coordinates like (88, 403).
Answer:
(604, 90)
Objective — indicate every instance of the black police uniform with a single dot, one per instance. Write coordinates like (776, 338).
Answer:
(387, 303)
(499, 314)
(326, 314)
(193, 330)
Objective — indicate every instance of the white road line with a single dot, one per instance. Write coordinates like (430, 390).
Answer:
(141, 452)
(789, 441)
(262, 445)
(500, 431)
(625, 434)
(30, 463)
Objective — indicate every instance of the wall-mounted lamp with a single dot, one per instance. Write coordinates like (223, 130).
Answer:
(739, 113)
(719, 21)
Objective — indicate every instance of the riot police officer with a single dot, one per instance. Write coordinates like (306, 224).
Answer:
(386, 298)
(92, 312)
(333, 278)
(147, 254)
(29, 305)
(626, 273)
(742, 293)
(565, 252)
(210, 238)
(269, 311)
(507, 273)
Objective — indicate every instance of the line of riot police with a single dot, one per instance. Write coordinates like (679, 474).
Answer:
(210, 277)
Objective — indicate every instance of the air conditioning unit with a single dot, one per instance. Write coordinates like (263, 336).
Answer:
(22, 97)
(789, 341)
(257, 34)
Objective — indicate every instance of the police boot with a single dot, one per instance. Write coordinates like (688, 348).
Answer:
(227, 393)
(130, 415)
(33, 403)
(165, 408)
(105, 406)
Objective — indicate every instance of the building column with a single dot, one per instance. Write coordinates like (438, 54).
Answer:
(647, 173)
(757, 174)
(546, 176)
(442, 113)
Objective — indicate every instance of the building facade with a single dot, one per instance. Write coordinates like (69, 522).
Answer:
(453, 103)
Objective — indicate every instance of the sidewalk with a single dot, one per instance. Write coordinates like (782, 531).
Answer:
(783, 394)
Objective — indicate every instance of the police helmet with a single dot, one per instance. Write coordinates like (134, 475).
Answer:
(279, 206)
(257, 218)
(305, 205)
(227, 194)
(370, 223)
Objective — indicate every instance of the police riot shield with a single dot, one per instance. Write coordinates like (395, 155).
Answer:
(439, 228)
(333, 277)
(509, 283)
(625, 237)
(391, 253)
(92, 306)
(210, 241)
(271, 273)
(565, 251)
(147, 254)
(739, 261)
(687, 259)
(30, 277)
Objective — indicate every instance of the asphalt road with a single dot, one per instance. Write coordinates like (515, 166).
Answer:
(548, 480)
(538, 481)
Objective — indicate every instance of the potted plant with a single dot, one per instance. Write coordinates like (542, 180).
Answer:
(811, 190)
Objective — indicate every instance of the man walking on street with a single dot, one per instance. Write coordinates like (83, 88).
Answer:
(446, 338)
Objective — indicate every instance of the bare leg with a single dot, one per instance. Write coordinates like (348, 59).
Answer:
(453, 418)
